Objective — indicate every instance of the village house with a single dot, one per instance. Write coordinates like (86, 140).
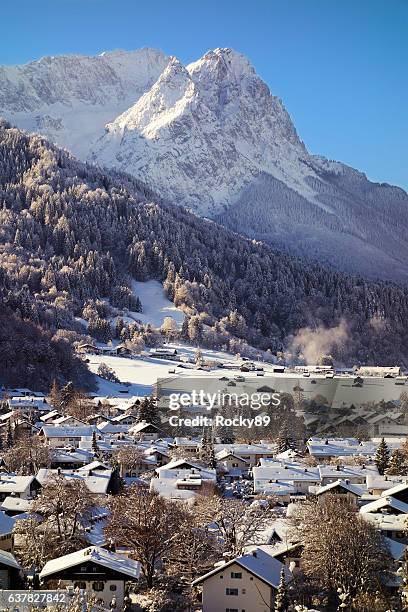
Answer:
(59, 437)
(67, 421)
(10, 571)
(376, 484)
(231, 466)
(385, 505)
(252, 453)
(144, 432)
(300, 477)
(96, 477)
(355, 474)
(342, 488)
(248, 582)
(182, 480)
(6, 532)
(187, 445)
(24, 487)
(98, 572)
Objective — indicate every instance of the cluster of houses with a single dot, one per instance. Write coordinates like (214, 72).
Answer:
(173, 467)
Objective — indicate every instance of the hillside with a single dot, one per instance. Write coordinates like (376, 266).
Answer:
(212, 137)
(71, 234)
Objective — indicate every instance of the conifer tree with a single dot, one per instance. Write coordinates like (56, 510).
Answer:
(382, 457)
(281, 599)
(95, 447)
(284, 440)
(397, 465)
(403, 574)
(148, 412)
(10, 437)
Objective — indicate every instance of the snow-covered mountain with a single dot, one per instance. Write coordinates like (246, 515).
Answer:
(210, 136)
(69, 99)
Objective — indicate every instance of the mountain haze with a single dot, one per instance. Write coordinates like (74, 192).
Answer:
(211, 137)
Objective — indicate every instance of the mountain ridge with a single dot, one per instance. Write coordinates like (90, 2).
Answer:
(212, 137)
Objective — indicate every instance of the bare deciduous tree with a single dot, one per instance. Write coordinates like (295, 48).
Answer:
(341, 550)
(237, 524)
(147, 524)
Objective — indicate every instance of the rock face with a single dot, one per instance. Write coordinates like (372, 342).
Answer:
(211, 137)
(69, 99)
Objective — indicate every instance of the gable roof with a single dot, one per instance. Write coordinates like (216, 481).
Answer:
(384, 502)
(6, 524)
(352, 488)
(8, 559)
(95, 554)
(15, 484)
(398, 488)
(51, 431)
(259, 562)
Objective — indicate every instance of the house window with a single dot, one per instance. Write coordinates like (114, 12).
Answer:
(236, 574)
(80, 585)
(244, 591)
(98, 586)
(231, 610)
(231, 592)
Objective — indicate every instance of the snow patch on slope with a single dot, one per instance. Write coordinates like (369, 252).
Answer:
(156, 306)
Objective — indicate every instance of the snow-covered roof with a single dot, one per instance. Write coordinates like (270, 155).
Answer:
(403, 486)
(140, 427)
(14, 484)
(386, 522)
(259, 563)
(347, 471)
(15, 504)
(167, 488)
(53, 414)
(385, 502)
(285, 473)
(375, 481)
(97, 555)
(397, 549)
(50, 431)
(278, 488)
(97, 481)
(94, 465)
(352, 488)
(112, 428)
(6, 524)
(228, 453)
(8, 559)
(66, 418)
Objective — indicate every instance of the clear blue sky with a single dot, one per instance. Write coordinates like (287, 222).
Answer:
(340, 66)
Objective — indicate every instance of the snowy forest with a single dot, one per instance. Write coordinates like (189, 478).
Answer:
(72, 234)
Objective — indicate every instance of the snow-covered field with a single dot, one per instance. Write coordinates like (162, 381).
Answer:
(140, 373)
(156, 306)
(143, 372)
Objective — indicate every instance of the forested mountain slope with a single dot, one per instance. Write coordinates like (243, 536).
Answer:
(71, 233)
